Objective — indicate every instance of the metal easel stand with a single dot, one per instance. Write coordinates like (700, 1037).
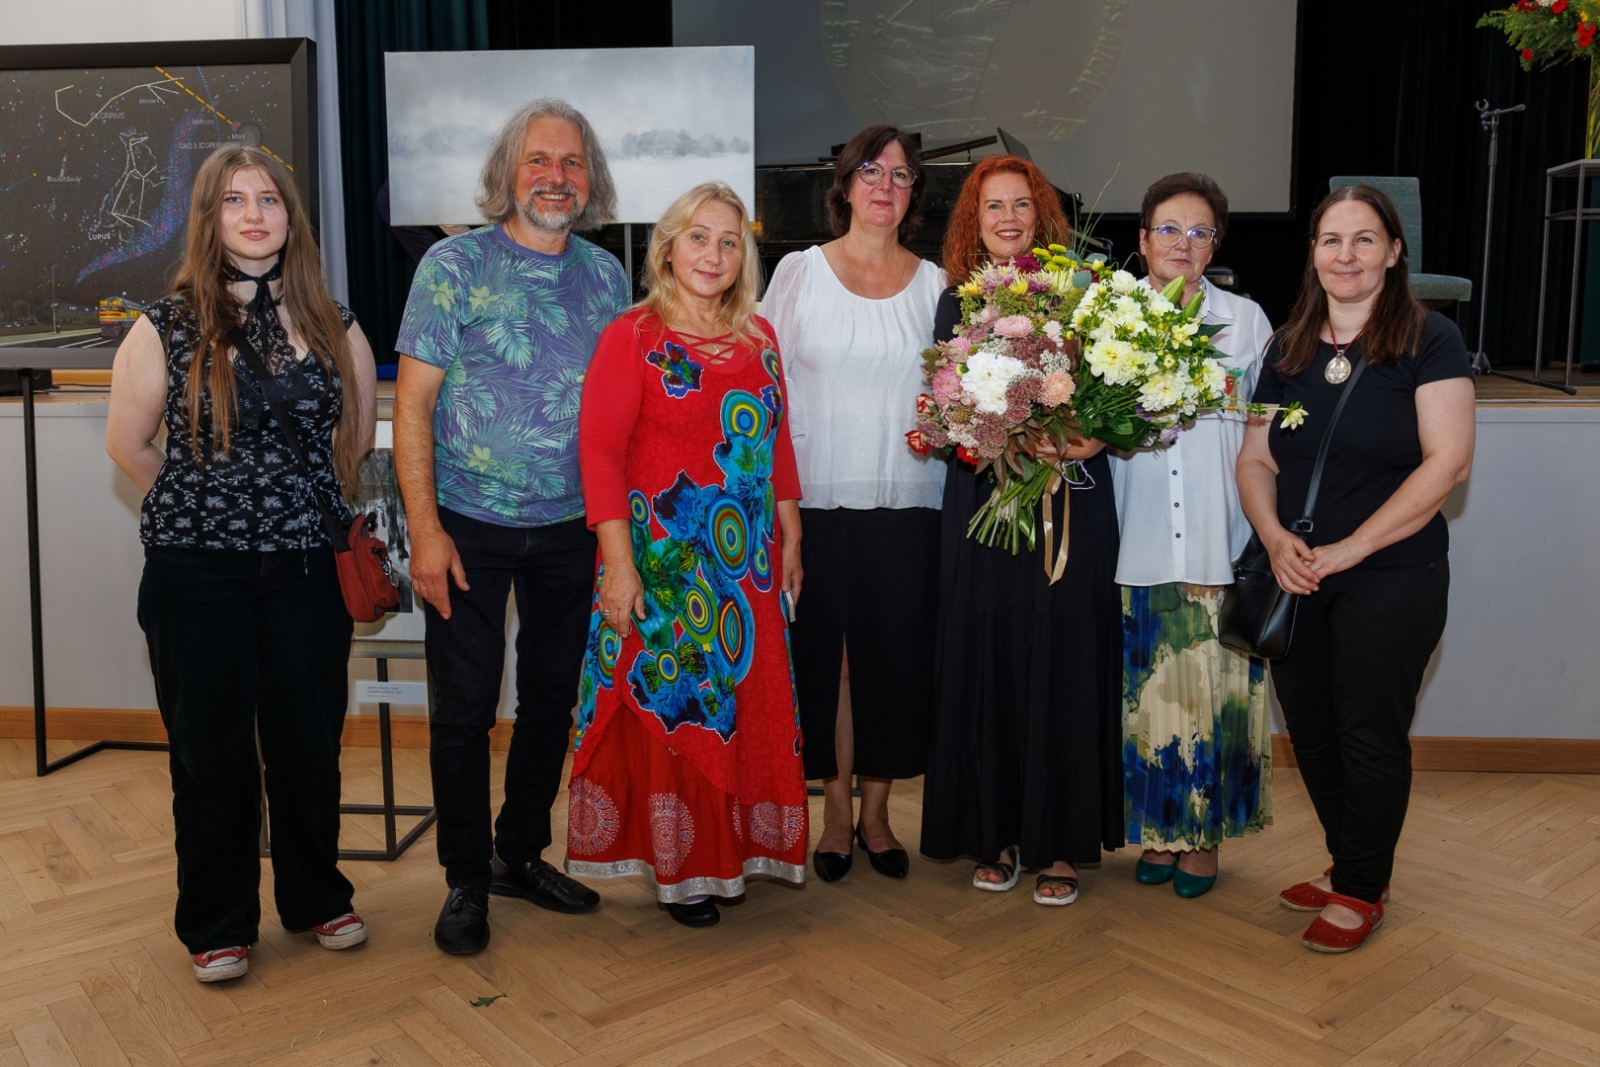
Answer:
(25, 362)
(394, 848)
(1585, 171)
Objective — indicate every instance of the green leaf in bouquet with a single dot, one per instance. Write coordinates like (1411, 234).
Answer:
(1095, 257)
(1081, 279)
(1211, 329)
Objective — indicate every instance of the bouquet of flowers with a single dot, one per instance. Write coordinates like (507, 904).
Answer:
(1548, 33)
(1053, 348)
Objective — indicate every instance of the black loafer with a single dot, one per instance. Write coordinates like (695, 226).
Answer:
(831, 866)
(541, 883)
(892, 862)
(463, 926)
(704, 913)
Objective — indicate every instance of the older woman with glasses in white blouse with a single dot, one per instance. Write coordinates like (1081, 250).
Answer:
(1197, 751)
(852, 318)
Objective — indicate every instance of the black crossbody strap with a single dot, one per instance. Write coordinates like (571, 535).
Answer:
(1304, 525)
(285, 421)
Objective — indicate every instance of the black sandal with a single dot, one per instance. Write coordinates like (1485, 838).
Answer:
(1048, 880)
(1009, 872)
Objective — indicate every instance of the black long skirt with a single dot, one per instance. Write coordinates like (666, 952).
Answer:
(1027, 732)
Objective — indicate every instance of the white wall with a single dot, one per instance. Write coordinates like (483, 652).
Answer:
(90, 21)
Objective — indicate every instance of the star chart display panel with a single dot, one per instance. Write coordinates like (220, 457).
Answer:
(97, 166)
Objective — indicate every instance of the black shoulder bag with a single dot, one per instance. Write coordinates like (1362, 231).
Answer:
(1256, 616)
(365, 577)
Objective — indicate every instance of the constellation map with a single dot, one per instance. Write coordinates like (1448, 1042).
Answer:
(97, 165)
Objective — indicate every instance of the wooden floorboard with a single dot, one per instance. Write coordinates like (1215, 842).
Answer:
(1489, 957)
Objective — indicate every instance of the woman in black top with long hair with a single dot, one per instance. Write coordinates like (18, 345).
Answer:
(1373, 572)
(240, 603)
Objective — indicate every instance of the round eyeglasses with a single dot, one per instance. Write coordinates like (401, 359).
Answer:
(872, 174)
(1199, 236)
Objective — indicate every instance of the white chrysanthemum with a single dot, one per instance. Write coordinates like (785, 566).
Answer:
(1161, 305)
(1123, 282)
(1162, 391)
(1115, 361)
(989, 374)
(1215, 378)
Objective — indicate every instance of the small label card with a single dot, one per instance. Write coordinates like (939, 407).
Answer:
(369, 692)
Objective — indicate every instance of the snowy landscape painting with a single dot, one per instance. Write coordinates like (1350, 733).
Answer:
(667, 119)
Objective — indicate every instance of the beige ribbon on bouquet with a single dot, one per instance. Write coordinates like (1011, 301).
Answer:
(1049, 526)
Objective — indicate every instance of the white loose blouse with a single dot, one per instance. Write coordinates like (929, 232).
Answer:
(1178, 506)
(854, 369)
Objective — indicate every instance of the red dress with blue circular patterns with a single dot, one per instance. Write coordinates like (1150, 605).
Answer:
(688, 761)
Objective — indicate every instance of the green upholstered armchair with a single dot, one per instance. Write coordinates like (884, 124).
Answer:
(1431, 289)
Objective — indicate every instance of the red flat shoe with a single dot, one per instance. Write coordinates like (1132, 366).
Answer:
(1323, 936)
(1303, 896)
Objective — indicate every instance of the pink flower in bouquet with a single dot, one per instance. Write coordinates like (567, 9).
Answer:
(962, 344)
(946, 384)
(1014, 326)
(1057, 389)
(1020, 396)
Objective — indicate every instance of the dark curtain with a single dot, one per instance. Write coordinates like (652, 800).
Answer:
(380, 273)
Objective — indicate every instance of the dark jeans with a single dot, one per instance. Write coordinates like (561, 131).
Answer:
(1349, 691)
(248, 644)
(551, 571)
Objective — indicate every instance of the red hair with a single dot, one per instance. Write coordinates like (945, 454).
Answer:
(963, 242)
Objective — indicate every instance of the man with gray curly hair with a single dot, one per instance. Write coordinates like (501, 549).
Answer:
(497, 335)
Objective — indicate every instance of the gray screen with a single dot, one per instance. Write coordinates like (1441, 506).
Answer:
(1105, 94)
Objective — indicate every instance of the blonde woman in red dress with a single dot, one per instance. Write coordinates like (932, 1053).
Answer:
(688, 761)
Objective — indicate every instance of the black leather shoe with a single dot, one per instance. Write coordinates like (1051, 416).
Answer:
(892, 862)
(831, 866)
(541, 883)
(463, 926)
(704, 913)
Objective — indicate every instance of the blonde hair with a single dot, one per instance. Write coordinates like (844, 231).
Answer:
(497, 184)
(661, 286)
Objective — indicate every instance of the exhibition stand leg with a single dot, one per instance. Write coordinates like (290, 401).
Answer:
(35, 603)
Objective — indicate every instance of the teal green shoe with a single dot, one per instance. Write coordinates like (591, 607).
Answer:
(1155, 873)
(1189, 885)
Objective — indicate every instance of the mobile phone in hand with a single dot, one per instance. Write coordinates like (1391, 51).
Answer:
(788, 605)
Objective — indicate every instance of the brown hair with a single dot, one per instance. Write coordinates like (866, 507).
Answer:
(202, 286)
(864, 147)
(1395, 323)
(738, 307)
(963, 241)
(1179, 184)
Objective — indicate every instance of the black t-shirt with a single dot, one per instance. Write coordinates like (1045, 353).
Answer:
(1374, 448)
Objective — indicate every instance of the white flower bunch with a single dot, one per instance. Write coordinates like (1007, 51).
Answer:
(1136, 336)
(989, 375)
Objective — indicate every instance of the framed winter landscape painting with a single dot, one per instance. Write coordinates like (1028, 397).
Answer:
(667, 119)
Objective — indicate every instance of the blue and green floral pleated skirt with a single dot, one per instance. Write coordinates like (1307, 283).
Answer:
(1197, 730)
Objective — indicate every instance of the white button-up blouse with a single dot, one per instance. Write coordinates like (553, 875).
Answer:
(854, 369)
(1178, 506)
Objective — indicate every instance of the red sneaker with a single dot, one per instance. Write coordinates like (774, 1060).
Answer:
(1303, 896)
(222, 964)
(346, 931)
(1323, 936)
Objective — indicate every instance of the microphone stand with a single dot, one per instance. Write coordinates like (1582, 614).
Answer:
(1489, 119)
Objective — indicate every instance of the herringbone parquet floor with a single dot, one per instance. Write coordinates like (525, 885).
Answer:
(1490, 955)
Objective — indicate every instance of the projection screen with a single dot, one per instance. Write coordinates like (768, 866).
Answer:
(1106, 94)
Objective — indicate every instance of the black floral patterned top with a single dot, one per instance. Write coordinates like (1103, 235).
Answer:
(255, 498)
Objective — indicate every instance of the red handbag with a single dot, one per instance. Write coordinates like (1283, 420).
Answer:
(365, 577)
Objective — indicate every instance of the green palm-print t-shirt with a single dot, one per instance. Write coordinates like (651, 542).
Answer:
(513, 330)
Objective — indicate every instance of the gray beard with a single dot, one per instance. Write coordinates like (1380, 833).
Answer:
(554, 222)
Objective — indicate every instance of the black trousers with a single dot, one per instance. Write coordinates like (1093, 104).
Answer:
(243, 643)
(872, 585)
(1349, 692)
(550, 569)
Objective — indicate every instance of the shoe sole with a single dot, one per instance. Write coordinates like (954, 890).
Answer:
(337, 942)
(511, 889)
(222, 974)
(1055, 902)
(1339, 950)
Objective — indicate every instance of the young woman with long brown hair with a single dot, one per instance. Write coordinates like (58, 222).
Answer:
(1373, 570)
(240, 603)
(1023, 770)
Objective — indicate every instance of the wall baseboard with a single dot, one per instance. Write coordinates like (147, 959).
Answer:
(1544, 755)
(122, 724)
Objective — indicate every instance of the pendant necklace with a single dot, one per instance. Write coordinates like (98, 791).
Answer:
(1338, 368)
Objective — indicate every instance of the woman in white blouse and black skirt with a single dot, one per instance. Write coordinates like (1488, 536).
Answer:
(852, 318)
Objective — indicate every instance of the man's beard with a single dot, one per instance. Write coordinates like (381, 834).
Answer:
(552, 220)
